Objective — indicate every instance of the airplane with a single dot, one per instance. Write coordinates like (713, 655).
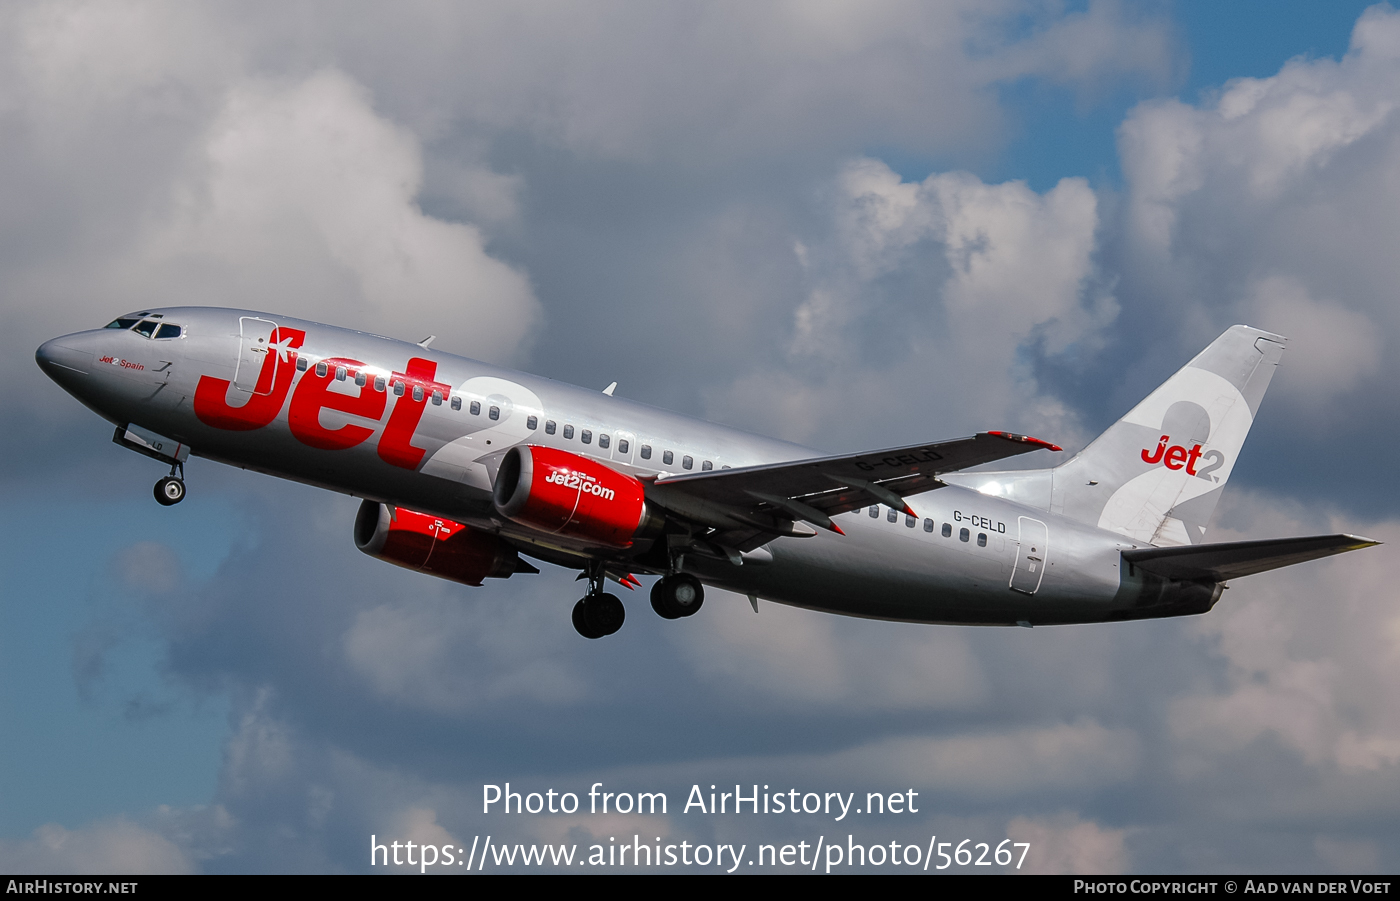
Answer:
(466, 469)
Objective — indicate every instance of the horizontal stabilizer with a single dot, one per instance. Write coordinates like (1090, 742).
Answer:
(1233, 559)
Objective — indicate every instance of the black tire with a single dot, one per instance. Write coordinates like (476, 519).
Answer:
(604, 613)
(581, 621)
(661, 603)
(169, 491)
(676, 596)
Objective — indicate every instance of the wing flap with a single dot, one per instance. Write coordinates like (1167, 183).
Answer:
(1234, 559)
(817, 489)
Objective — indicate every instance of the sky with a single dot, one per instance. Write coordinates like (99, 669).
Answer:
(847, 225)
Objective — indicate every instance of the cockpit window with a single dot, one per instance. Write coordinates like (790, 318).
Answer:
(121, 323)
(168, 330)
(146, 328)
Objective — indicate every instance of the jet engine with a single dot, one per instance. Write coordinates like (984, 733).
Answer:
(554, 491)
(432, 545)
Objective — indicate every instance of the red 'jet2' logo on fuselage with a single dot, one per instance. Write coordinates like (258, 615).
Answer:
(412, 387)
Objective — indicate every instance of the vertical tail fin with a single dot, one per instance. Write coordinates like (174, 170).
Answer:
(1157, 473)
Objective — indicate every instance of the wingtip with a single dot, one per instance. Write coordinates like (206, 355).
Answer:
(1027, 439)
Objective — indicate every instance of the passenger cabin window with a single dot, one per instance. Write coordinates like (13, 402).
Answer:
(494, 413)
(340, 373)
(586, 436)
(909, 521)
(622, 445)
(476, 408)
(668, 458)
(437, 398)
(457, 403)
(418, 393)
(947, 530)
(875, 512)
(301, 364)
(928, 525)
(603, 442)
(981, 539)
(321, 370)
(549, 427)
(687, 462)
(531, 422)
(646, 451)
(398, 388)
(964, 534)
(568, 431)
(893, 515)
(361, 378)
(168, 330)
(707, 465)
(379, 383)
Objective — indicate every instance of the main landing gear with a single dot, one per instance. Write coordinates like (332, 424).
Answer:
(598, 614)
(677, 595)
(171, 489)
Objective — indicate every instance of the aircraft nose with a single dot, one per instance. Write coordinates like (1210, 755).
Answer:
(63, 358)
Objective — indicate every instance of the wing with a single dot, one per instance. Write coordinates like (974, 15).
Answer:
(1234, 559)
(752, 505)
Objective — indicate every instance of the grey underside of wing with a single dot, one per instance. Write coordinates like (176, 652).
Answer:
(749, 500)
(1231, 560)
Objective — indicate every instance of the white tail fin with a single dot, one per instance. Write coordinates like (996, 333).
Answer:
(1157, 473)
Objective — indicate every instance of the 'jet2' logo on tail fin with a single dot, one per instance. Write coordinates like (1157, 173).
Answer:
(1176, 457)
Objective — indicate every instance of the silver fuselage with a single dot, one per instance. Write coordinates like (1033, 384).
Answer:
(898, 570)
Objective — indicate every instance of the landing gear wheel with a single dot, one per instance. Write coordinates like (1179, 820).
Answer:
(660, 602)
(170, 491)
(581, 622)
(676, 596)
(604, 613)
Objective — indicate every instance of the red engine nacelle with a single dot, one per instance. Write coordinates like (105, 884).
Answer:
(430, 544)
(564, 494)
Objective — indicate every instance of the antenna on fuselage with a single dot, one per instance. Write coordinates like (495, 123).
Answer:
(609, 390)
(426, 341)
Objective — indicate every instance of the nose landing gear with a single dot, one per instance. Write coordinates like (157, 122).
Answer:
(171, 489)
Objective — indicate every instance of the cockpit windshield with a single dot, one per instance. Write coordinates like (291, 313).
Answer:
(148, 327)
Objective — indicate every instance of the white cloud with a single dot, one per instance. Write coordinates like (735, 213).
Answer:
(1312, 651)
(789, 655)
(116, 846)
(1070, 846)
(1274, 202)
(981, 272)
(1331, 349)
(305, 201)
(436, 654)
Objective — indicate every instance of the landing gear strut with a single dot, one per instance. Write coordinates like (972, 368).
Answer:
(171, 489)
(598, 614)
(677, 595)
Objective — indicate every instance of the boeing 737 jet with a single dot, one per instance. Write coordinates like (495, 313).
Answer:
(466, 469)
